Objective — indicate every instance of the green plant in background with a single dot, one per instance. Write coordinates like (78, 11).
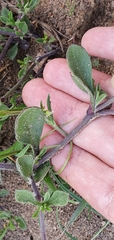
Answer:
(15, 32)
(33, 163)
(16, 29)
(45, 39)
(71, 8)
(10, 222)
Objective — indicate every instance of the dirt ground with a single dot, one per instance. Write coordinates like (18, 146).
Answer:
(69, 17)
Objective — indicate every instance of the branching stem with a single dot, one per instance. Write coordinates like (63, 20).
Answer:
(85, 121)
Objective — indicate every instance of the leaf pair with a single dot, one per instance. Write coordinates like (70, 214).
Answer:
(57, 198)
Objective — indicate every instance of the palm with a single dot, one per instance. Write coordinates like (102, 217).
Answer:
(90, 170)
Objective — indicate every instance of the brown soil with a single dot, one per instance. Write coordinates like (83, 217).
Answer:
(58, 14)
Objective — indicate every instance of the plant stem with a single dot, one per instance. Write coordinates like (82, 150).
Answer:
(85, 121)
(41, 217)
(5, 49)
(89, 117)
(35, 190)
(7, 33)
(42, 226)
(7, 166)
(105, 104)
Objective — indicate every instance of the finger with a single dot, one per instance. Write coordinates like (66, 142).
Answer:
(88, 176)
(84, 172)
(57, 74)
(99, 42)
(91, 178)
(93, 138)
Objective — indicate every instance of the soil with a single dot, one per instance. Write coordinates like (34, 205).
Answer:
(71, 18)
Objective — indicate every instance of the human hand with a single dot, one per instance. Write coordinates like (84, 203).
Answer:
(90, 170)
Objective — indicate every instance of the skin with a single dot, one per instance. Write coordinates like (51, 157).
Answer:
(90, 170)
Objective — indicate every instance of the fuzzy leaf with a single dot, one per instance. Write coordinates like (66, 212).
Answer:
(3, 192)
(81, 69)
(2, 233)
(24, 165)
(4, 15)
(4, 214)
(12, 52)
(41, 171)
(21, 222)
(25, 196)
(22, 26)
(29, 125)
(58, 198)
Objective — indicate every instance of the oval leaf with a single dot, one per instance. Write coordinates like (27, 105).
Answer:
(81, 69)
(12, 52)
(41, 171)
(25, 196)
(58, 198)
(4, 214)
(29, 125)
(3, 192)
(21, 222)
(24, 165)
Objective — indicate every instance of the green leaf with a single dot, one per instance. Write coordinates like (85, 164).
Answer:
(25, 196)
(76, 214)
(100, 230)
(7, 29)
(22, 26)
(12, 52)
(4, 214)
(100, 95)
(47, 196)
(36, 213)
(58, 198)
(81, 69)
(29, 125)
(21, 222)
(2, 233)
(33, 4)
(61, 227)
(13, 150)
(3, 107)
(11, 225)
(11, 20)
(4, 15)
(23, 151)
(41, 171)
(3, 192)
(22, 72)
(24, 165)
(50, 183)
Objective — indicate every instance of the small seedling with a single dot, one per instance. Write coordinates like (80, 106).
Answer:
(45, 40)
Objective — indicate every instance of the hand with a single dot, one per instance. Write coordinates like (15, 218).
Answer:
(90, 170)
